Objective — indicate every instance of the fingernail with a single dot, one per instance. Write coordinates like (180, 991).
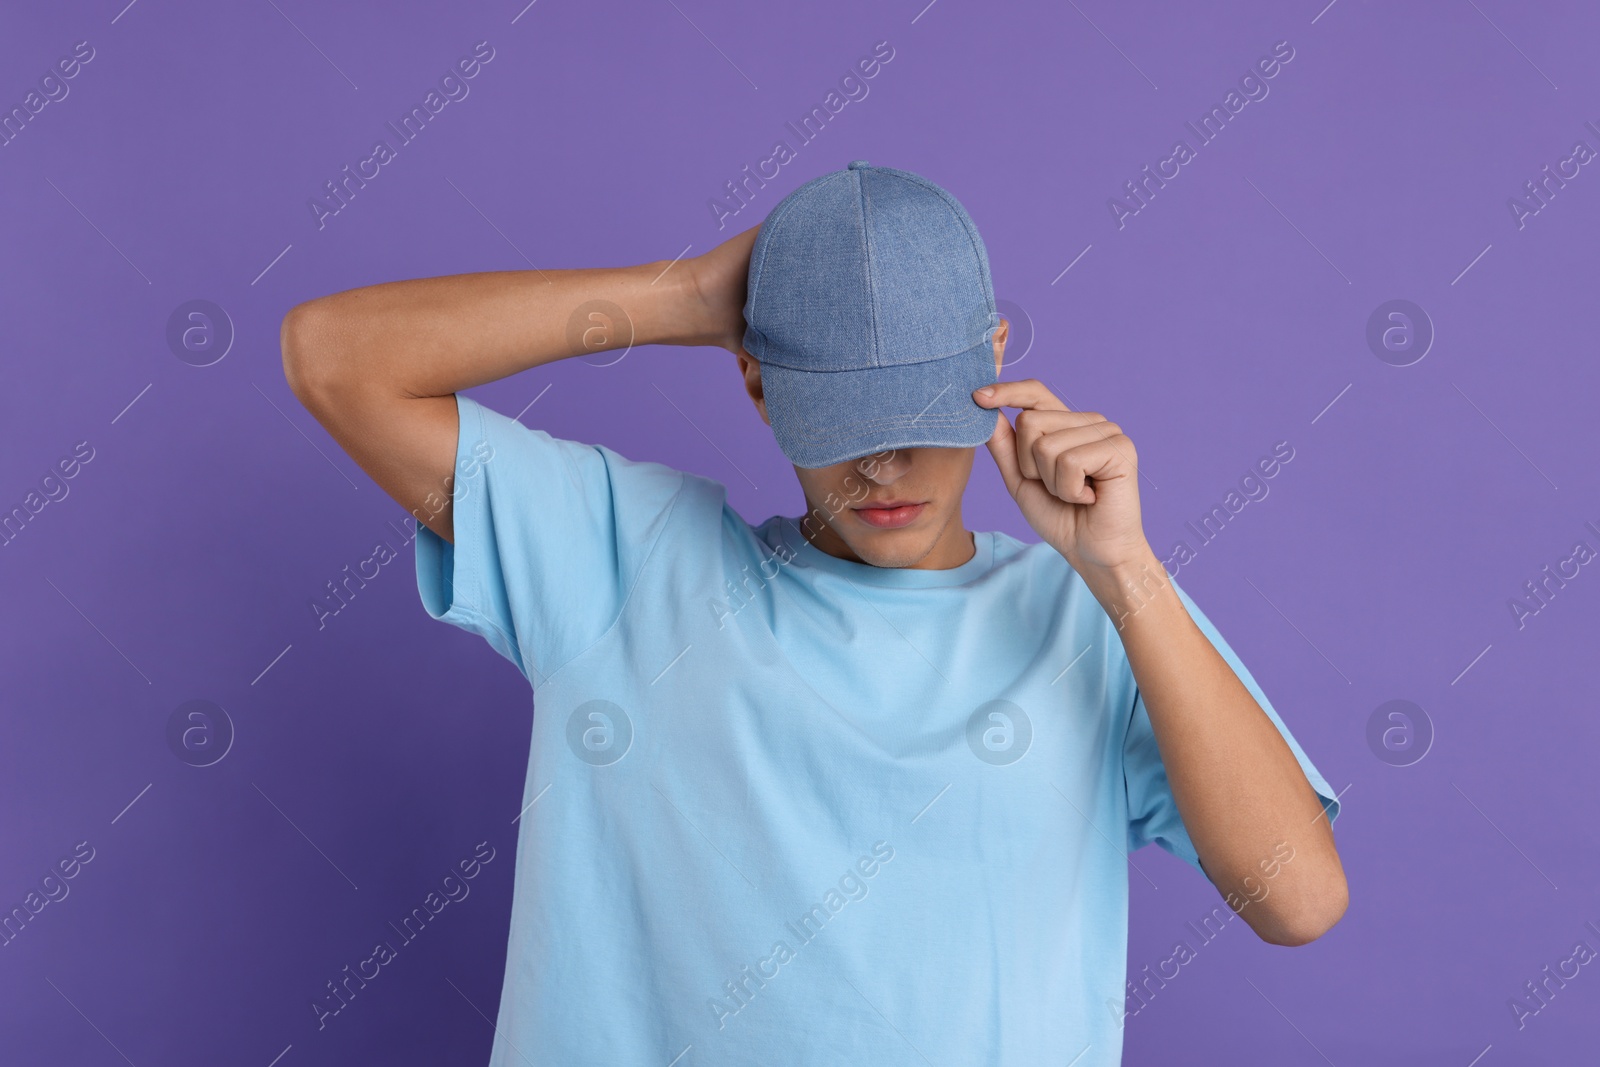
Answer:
(987, 390)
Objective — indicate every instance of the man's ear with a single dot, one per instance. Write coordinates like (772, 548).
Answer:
(751, 370)
(1000, 344)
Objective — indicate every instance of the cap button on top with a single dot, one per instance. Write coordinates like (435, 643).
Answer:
(858, 164)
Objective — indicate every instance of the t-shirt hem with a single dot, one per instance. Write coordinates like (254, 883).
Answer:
(450, 575)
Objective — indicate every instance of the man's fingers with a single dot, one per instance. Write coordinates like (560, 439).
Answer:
(1067, 469)
(1026, 393)
(1064, 450)
(1064, 429)
(1003, 447)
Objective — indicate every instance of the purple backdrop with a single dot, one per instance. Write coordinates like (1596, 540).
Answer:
(180, 512)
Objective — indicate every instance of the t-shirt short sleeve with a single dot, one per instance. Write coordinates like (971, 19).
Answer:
(550, 537)
(1152, 809)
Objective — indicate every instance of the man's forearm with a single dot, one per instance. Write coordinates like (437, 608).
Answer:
(434, 336)
(1242, 795)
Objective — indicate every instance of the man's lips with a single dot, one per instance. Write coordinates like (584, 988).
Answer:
(890, 514)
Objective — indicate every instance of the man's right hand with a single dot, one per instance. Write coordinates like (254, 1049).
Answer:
(720, 281)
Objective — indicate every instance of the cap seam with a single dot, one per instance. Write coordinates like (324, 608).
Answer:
(912, 363)
(855, 429)
(866, 256)
(886, 446)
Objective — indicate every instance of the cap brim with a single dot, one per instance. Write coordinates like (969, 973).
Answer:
(825, 417)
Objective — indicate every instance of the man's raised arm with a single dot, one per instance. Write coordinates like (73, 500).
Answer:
(379, 366)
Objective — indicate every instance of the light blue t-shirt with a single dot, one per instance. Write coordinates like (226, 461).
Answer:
(784, 808)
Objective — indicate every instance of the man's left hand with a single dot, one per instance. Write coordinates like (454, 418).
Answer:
(1074, 474)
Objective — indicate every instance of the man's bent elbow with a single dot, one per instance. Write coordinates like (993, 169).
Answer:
(1308, 920)
(306, 355)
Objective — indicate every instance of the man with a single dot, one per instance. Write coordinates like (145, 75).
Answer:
(857, 787)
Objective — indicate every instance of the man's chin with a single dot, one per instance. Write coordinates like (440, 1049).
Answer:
(903, 547)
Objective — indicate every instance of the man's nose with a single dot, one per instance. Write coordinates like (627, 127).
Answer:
(882, 468)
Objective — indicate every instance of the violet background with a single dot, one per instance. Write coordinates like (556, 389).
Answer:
(1226, 316)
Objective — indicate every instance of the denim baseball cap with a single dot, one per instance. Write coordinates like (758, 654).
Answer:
(872, 315)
